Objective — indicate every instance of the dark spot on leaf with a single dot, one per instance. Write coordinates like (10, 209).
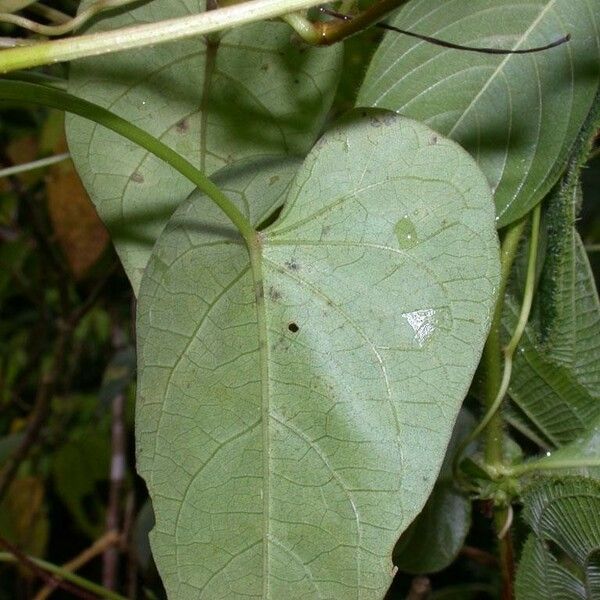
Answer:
(296, 80)
(273, 179)
(433, 140)
(264, 67)
(183, 126)
(137, 177)
(274, 294)
(292, 265)
(259, 291)
(375, 122)
(293, 327)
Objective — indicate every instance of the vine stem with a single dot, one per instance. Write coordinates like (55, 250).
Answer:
(545, 464)
(491, 358)
(494, 451)
(65, 574)
(46, 96)
(148, 34)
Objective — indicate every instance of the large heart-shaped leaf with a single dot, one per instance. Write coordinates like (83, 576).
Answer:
(436, 536)
(518, 115)
(248, 94)
(294, 408)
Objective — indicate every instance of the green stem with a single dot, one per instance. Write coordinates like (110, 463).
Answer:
(303, 27)
(495, 455)
(46, 96)
(79, 581)
(491, 364)
(492, 354)
(544, 464)
(33, 165)
(148, 34)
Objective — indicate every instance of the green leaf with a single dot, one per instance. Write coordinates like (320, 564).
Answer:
(549, 394)
(518, 115)
(582, 455)
(435, 537)
(251, 94)
(572, 331)
(294, 407)
(77, 468)
(556, 380)
(561, 559)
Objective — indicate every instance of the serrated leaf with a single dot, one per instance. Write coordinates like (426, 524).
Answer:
(549, 394)
(294, 409)
(582, 454)
(572, 330)
(435, 537)
(518, 115)
(560, 559)
(556, 380)
(251, 94)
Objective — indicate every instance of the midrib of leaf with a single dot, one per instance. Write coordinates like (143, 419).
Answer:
(255, 255)
(500, 67)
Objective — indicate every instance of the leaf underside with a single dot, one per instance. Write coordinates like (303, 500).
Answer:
(251, 94)
(518, 115)
(294, 409)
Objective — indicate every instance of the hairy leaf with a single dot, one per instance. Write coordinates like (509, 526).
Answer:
(214, 100)
(556, 374)
(294, 407)
(561, 558)
(518, 115)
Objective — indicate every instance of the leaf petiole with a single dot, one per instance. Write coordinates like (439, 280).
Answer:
(46, 96)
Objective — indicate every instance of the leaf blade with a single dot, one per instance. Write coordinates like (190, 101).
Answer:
(214, 100)
(324, 451)
(520, 132)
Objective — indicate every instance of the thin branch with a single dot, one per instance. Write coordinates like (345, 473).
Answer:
(47, 387)
(110, 560)
(148, 34)
(33, 165)
(30, 564)
(110, 538)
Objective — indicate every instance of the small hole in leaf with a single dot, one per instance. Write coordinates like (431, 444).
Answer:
(293, 327)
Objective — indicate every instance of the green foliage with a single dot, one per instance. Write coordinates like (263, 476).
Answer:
(435, 537)
(518, 116)
(295, 380)
(310, 319)
(247, 93)
(560, 558)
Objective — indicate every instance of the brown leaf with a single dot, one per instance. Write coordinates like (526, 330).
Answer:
(79, 231)
(23, 518)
